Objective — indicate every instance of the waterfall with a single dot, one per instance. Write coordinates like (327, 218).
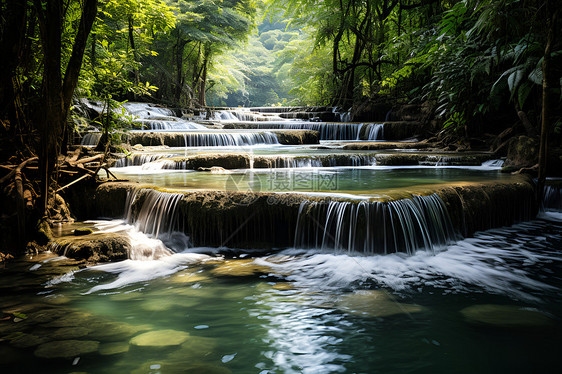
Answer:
(493, 163)
(138, 159)
(327, 130)
(143, 110)
(252, 161)
(91, 139)
(155, 214)
(296, 162)
(375, 131)
(552, 197)
(224, 115)
(406, 225)
(220, 139)
(167, 124)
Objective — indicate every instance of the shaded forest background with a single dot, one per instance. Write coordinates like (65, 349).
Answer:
(483, 66)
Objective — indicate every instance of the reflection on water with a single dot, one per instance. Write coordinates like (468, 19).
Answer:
(301, 311)
(356, 179)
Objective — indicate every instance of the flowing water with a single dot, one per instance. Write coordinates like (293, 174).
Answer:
(330, 303)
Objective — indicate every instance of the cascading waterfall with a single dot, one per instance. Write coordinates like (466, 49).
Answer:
(91, 139)
(166, 124)
(493, 163)
(138, 160)
(254, 162)
(220, 139)
(224, 115)
(375, 131)
(552, 197)
(292, 162)
(157, 217)
(406, 225)
(142, 110)
(327, 130)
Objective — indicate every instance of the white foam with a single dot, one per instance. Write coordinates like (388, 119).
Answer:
(498, 261)
(130, 271)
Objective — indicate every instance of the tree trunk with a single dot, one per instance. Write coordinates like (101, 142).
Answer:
(203, 83)
(133, 48)
(546, 94)
(56, 92)
(180, 46)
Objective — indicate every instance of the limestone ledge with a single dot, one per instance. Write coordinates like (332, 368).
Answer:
(268, 219)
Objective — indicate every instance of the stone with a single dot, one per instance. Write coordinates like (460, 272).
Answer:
(114, 331)
(83, 231)
(522, 152)
(240, 268)
(56, 299)
(71, 320)
(24, 340)
(375, 303)
(47, 315)
(506, 316)
(66, 348)
(98, 247)
(283, 286)
(188, 277)
(66, 333)
(160, 339)
(110, 349)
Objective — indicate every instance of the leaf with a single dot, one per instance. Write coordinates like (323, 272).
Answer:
(523, 93)
(514, 80)
(536, 76)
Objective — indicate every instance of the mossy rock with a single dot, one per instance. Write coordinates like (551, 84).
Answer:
(160, 339)
(506, 316)
(114, 331)
(66, 333)
(65, 349)
(23, 340)
(523, 152)
(83, 231)
(240, 268)
(94, 247)
(111, 349)
(375, 303)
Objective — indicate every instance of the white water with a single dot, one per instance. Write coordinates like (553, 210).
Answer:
(375, 227)
(143, 110)
(496, 164)
(375, 131)
(91, 139)
(503, 261)
(222, 139)
(167, 124)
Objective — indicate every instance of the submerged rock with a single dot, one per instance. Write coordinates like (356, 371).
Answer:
(188, 277)
(114, 331)
(66, 348)
(376, 303)
(506, 316)
(160, 339)
(240, 268)
(24, 340)
(66, 333)
(110, 349)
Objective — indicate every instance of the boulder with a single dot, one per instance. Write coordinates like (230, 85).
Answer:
(66, 349)
(523, 152)
(160, 339)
